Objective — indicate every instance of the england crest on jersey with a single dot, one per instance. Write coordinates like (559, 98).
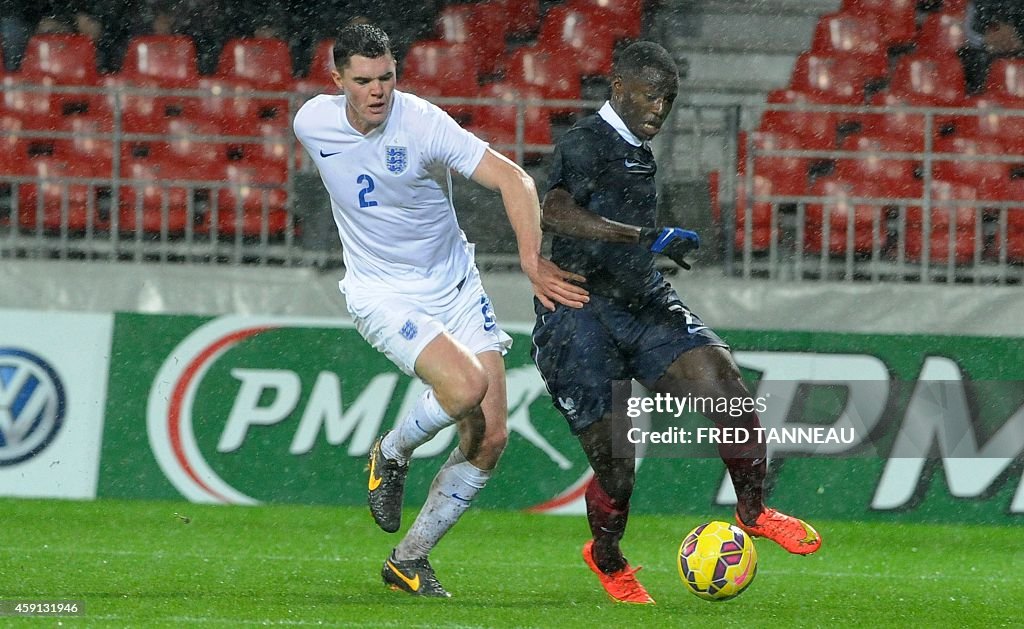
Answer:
(397, 159)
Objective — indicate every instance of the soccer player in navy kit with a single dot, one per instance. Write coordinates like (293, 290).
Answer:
(601, 206)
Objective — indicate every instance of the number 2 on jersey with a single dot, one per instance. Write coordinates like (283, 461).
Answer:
(367, 183)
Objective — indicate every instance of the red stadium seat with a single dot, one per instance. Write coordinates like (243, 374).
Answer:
(919, 81)
(941, 34)
(478, 25)
(1006, 127)
(252, 200)
(522, 16)
(816, 128)
(896, 17)
(953, 226)
(585, 38)
(144, 136)
(59, 59)
(847, 33)
(1013, 238)
(856, 208)
(440, 68)
(194, 143)
(939, 78)
(626, 15)
(987, 177)
(839, 78)
(72, 138)
(167, 60)
(26, 97)
(540, 68)
(497, 123)
(19, 131)
(64, 197)
(264, 141)
(788, 174)
(228, 100)
(761, 234)
(322, 63)
(138, 97)
(66, 59)
(92, 140)
(1006, 78)
(898, 120)
(879, 160)
(264, 62)
(153, 199)
(319, 80)
(451, 67)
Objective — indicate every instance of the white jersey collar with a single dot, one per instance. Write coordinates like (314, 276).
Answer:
(612, 117)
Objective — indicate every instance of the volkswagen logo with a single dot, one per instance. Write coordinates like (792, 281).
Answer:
(32, 405)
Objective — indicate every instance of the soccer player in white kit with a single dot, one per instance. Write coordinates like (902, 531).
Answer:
(411, 284)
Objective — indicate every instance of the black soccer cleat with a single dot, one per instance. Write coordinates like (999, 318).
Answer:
(414, 576)
(385, 486)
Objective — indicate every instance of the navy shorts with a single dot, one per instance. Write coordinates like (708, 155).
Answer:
(580, 352)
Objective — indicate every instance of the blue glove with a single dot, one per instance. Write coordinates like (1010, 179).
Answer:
(674, 242)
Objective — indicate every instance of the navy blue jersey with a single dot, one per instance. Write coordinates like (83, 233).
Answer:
(608, 176)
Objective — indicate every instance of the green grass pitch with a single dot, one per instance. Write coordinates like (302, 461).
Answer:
(139, 564)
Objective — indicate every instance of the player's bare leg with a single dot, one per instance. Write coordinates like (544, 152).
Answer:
(457, 384)
(482, 438)
(710, 371)
(607, 513)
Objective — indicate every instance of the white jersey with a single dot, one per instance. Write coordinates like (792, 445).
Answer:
(398, 229)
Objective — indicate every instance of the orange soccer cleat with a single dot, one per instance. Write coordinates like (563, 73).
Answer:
(621, 586)
(793, 534)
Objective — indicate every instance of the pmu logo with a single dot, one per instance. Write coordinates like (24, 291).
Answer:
(32, 405)
(169, 416)
(247, 409)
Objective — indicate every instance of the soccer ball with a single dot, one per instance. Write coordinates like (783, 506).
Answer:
(717, 561)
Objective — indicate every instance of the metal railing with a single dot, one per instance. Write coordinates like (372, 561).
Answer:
(842, 234)
(806, 236)
(65, 214)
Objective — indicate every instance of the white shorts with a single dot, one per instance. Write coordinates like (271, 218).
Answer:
(400, 327)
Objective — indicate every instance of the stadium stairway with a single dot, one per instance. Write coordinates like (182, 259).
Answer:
(737, 50)
(730, 52)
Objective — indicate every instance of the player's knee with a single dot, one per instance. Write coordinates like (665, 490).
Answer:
(467, 390)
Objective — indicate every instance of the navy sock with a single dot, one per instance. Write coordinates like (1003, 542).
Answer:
(607, 519)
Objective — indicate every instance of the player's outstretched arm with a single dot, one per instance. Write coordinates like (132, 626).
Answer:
(562, 215)
(519, 195)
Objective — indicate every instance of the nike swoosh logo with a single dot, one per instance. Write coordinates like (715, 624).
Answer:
(638, 168)
(812, 535)
(413, 583)
(374, 479)
(693, 329)
(322, 154)
(458, 497)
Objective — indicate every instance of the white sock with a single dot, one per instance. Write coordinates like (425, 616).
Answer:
(419, 426)
(453, 489)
